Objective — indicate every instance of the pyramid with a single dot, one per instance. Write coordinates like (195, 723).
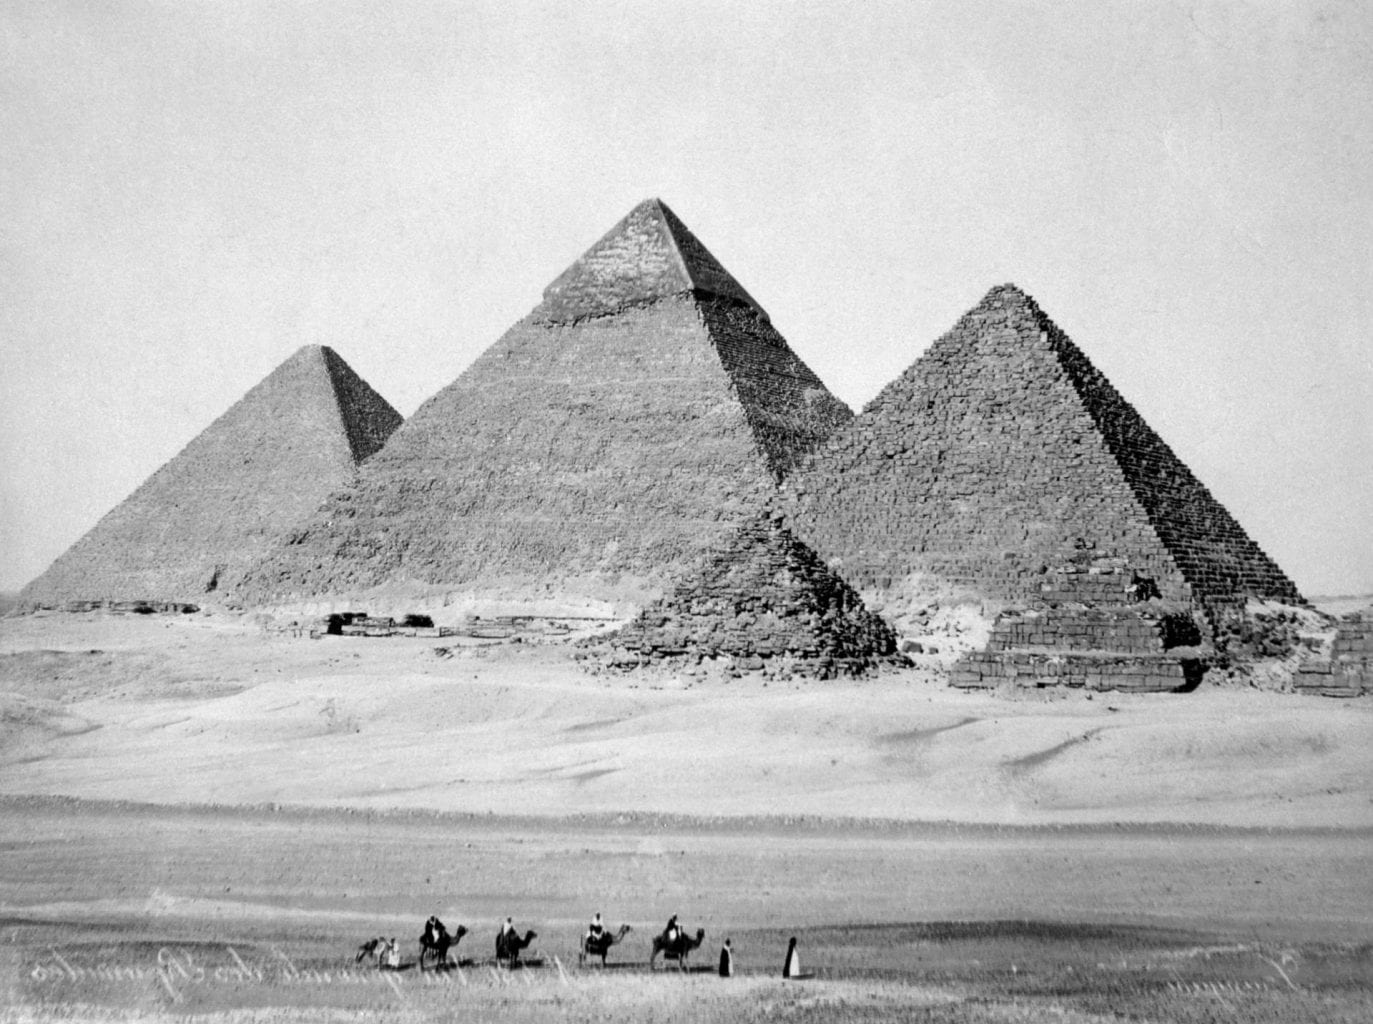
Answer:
(643, 409)
(264, 465)
(761, 595)
(1002, 457)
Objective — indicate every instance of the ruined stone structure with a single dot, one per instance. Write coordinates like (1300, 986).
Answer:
(1002, 454)
(643, 410)
(259, 469)
(1348, 672)
(762, 600)
(1091, 627)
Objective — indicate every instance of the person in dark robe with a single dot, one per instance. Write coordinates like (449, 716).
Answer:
(726, 960)
(791, 967)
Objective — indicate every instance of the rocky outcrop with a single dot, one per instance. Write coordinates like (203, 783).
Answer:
(255, 472)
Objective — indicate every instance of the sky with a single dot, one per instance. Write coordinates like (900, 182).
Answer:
(190, 191)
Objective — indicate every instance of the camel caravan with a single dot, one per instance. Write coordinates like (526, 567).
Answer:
(437, 947)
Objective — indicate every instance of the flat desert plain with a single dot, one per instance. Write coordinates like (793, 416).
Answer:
(199, 818)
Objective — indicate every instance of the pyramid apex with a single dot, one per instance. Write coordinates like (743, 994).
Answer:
(1007, 294)
(649, 255)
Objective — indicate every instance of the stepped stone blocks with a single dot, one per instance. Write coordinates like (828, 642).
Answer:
(641, 412)
(1348, 672)
(762, 600)
(1121, 640)
(1002, 454)
(258, 470)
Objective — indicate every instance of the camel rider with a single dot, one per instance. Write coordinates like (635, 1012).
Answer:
(595, 931)
(508, 929)
(671, 932)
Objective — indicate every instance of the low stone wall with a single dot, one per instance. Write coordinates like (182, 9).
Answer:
(1091, 671)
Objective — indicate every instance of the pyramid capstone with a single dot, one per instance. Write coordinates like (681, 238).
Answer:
(639, 413)
(257, 470)
(1002, 456)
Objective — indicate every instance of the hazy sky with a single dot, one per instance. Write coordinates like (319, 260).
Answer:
(191, 191)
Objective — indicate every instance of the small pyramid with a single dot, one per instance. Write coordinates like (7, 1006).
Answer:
(642, 410)
(762, 595)
(1002, 455)
(257, 470)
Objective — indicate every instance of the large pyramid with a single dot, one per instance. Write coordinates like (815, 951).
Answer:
(259, 469)
(1002, 463)
(642, 410)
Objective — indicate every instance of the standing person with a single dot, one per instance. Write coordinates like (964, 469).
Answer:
(726, 960)
(791, 967)
(503, 937)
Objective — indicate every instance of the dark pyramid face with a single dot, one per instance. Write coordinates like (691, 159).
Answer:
(621, 428)
(1002, 453)
(257, 470)
(763, 593)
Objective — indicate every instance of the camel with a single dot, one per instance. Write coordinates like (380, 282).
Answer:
(601, 946)
(509, 945)
(678, 949)
(372, 948)
(436, 942)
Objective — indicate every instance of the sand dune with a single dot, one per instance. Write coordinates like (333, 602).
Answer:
(210, 710)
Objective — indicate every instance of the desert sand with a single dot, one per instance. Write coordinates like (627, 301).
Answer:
(192, 709)
(195, 786)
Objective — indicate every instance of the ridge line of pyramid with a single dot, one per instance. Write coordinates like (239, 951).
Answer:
(712, 279)
(1165, 497)
(367, 418)
(665, 217)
